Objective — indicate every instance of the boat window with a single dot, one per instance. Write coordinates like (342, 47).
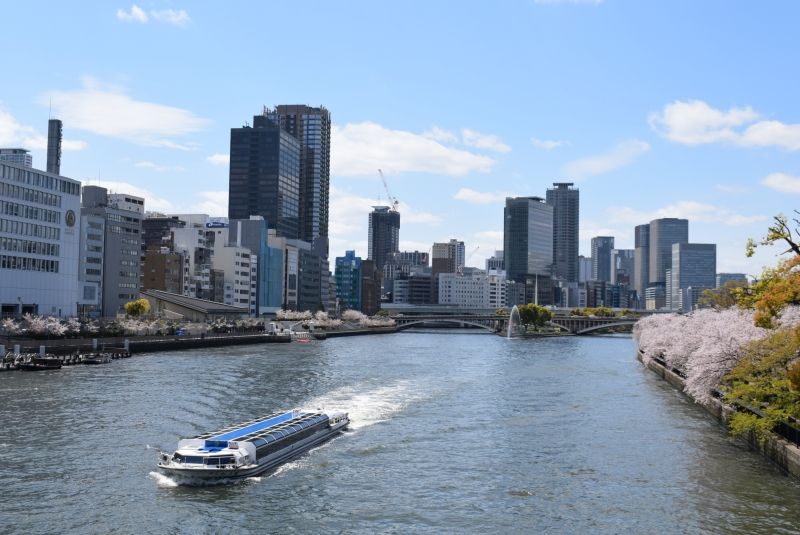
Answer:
(193, 460)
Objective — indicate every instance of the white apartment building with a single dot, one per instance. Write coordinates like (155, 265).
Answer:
(240, 269)
(463, 291)
(39, 242)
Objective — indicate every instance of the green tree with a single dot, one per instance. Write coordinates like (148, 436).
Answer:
(137, 307)
(777, 232)
(723, 297)
(535, 315)
(501, 312)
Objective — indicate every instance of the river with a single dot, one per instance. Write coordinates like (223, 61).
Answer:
(452, 432)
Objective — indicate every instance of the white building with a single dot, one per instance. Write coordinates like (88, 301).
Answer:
(39, 242)
(240, 268)
(464, 291)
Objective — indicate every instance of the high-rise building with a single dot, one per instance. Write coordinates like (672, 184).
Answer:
(663, 233)
(264, 177)
(384, 235)
(601, 257)
(39, 242)
(122, 246)
(528, 246)
(312, 127)
(622, 266)
(16, 156)
(584, 268)
(446, 257)
(565, 201)
(348, 281)
(641, 260)
(694, 267)
(370, 288)
(54, 146)
(254, 234)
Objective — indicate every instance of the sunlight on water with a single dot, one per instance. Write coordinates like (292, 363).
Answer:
(162, 480)
(370, 407)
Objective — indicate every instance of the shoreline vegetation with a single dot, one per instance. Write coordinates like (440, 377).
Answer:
(742, 351)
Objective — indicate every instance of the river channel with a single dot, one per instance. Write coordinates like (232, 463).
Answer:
(453, 432)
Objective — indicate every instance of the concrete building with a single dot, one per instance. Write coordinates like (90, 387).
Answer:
(237, 267)
(446, 257)
(264, 177)
(348, 281)
(694, 266)
(157, 230)
(122, 246)
(663, 234)
(39, 242)
(641, 261)
(383, 239)
(584, 268)
(464, 291)
(370, 288)
(16, 156)
(312, 127)
(54, 128)
(622, 266)
(90, 268)
(528, 246)
(601, 257)
(412, 290)
(565, 200)
(254, 234)
(162, 269)
(495, 262)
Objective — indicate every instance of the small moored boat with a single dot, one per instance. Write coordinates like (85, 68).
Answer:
(33, 364)
(250, 448)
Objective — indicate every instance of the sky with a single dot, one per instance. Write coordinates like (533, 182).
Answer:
(653, 109)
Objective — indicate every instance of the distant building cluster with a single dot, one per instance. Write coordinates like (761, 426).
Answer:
(68, 250)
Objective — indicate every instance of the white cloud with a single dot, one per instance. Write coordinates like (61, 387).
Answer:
(158, 167)
(481, 197)
(691, 210)
(214, 203)
(152, 202)
(782, 182)
(363, 148)
(15, 134)
(619, 156)
(475, 139)
(219, 159)
(695, 123)
(108, 111)
(349, 213)
(136, 14)
(175, 17)
(495, 236)
(547, 144)
(440, 134)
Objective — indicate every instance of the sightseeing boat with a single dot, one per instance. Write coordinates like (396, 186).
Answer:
(250, 448)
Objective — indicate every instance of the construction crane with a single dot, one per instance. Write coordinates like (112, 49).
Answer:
(393, 200)
(460, 270)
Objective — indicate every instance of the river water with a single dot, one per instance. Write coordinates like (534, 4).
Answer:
(453, 432)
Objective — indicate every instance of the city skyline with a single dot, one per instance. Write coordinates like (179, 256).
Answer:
(645, 131)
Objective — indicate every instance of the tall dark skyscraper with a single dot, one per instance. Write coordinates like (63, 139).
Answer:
(641, 260)
(528, 246)
(54, 146)
(265, 176)
(663, 233)
(312, 127)
(384, 235)
(565, 201)
(601, 258)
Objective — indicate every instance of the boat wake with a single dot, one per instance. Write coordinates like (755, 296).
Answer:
(370, 407)
(162, 480)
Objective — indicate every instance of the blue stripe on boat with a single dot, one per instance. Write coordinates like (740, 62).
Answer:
(258, 426)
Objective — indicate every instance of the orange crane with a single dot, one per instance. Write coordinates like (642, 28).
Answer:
(393, 200)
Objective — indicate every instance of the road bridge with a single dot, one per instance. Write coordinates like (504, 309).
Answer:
(495, 323)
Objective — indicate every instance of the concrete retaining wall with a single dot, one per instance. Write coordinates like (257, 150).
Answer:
(782, 452)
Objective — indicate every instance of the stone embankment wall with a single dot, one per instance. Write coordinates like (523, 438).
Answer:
(780, 451)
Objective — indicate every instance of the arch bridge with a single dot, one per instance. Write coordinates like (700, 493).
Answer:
(494, 323)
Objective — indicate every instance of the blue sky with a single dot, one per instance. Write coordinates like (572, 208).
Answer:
(653, 109)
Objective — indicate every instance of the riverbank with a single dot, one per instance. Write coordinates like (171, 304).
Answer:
(779, 450)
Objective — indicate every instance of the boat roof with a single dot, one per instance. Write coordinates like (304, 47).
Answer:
(262, 430)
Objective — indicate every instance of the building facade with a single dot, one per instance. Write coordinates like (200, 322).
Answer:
(694, 268)
(39, 242)
(348, 281)
(264, 176)
(601, 257)
(663, 234)
(16, 156)
(641, 260)
(565, 200)
(528, 246)
(312, 127)
(383, 239)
